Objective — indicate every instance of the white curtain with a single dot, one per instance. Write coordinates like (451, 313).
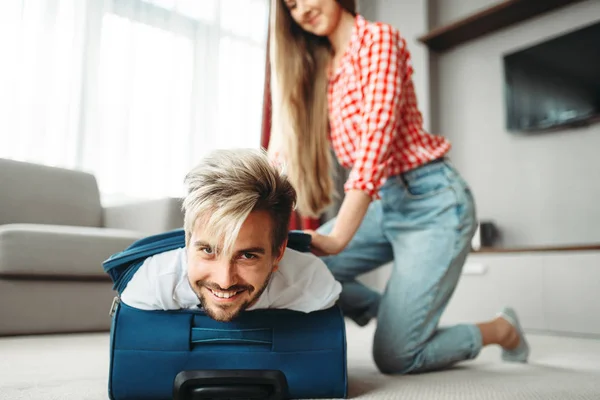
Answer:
(134, 91)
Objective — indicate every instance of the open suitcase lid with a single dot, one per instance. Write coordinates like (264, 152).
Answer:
(123, 265)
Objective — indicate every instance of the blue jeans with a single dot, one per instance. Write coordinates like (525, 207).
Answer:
(424, 222)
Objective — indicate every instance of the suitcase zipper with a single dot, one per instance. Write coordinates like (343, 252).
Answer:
(114, 305)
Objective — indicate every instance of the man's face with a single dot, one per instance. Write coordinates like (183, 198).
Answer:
(225, 285)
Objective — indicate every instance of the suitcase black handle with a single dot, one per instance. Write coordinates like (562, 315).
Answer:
(230, 384)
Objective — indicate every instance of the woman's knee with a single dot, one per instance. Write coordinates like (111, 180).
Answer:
(398, 350)
(398, 361)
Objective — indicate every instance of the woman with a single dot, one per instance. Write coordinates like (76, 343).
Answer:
(340, 79)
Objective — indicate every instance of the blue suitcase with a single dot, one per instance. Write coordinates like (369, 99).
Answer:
(184, 354)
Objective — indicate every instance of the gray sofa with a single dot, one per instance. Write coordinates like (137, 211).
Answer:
(54, 236)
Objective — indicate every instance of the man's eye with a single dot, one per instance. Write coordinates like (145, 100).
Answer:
(248, 256)
(207, 250)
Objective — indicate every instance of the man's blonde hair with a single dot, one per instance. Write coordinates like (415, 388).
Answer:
(227, 186)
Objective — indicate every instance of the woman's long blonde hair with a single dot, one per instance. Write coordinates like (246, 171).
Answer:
(300, 126)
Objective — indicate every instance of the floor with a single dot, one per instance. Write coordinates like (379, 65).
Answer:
(67, 367)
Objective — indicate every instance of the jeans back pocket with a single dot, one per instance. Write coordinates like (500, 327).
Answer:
(426, 184)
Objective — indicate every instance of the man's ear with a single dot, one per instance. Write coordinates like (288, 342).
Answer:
(281, 252)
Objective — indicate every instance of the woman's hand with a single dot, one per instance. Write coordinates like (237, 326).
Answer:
(325, 245)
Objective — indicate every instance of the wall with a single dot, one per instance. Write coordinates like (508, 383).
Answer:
(540, 189)
(442, 12)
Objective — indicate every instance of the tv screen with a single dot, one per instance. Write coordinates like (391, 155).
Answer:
(554, 84)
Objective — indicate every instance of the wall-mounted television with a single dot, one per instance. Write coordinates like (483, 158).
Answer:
(554, 84)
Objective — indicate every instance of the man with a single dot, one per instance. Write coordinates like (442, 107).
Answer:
(237, 212)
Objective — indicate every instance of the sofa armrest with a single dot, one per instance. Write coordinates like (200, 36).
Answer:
(148, 217)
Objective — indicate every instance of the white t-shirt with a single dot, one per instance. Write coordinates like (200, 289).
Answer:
(301, 283)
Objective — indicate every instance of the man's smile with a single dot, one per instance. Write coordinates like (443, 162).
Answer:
(229, 295)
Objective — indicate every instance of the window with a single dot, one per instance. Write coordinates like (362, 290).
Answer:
(134, 91)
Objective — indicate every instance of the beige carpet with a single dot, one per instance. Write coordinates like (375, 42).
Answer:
(76, 367)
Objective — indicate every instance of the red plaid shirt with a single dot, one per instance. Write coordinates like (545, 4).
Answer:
(375, 124)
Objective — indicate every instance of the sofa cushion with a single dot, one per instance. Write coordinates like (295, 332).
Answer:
(38, 194)
(30, 251)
